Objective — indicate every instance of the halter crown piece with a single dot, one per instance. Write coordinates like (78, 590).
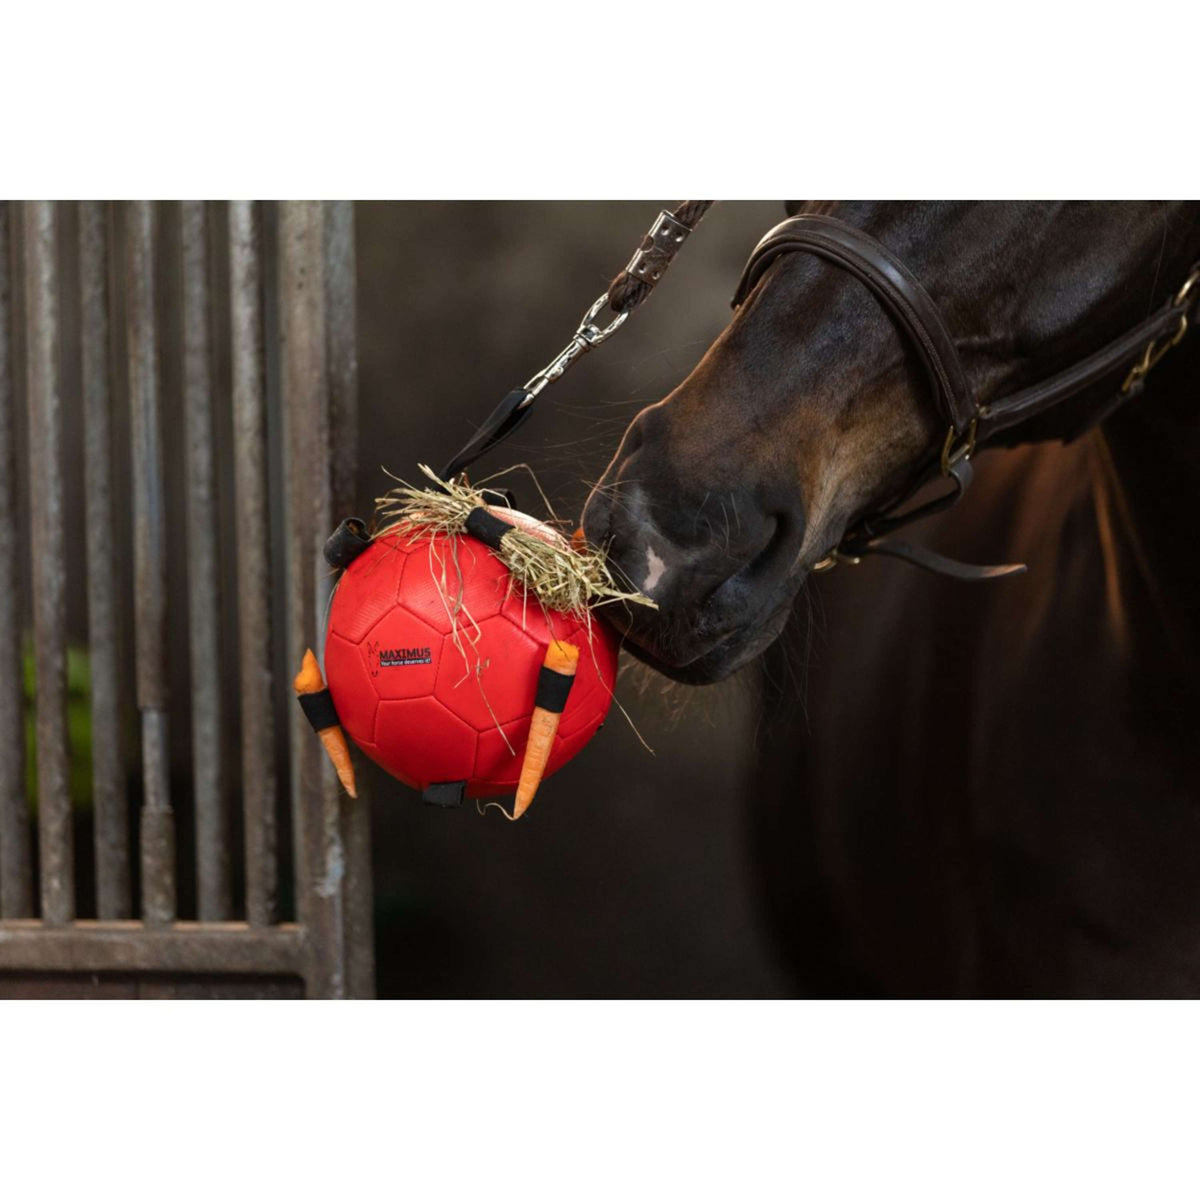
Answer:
(969, 423)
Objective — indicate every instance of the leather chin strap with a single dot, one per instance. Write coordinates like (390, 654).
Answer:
(969, 423)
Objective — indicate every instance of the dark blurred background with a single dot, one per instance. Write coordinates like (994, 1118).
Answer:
(631, 876)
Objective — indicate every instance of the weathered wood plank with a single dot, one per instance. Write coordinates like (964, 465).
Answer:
(230, 947)
(113, 892)
(150, 567)
(341, 322)
(259, 793)
(55, 840)
(320, 853)
(16, 861)
(214, 877)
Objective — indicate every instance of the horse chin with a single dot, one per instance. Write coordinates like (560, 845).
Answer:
(703, 664)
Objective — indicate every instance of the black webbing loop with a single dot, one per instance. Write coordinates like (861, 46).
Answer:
(553, 689)
(487, 528)
(318, 708)
(502, 421)
(445, 795)
(346, 542)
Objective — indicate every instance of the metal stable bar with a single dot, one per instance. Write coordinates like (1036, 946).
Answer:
(16, 871)
(320, 853)
(342, 448)
(113, 893)
(214, 879)
(150, 567)
(259, 795)
(47, 551)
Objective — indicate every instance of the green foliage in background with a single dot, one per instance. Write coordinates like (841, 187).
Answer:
(79, 727)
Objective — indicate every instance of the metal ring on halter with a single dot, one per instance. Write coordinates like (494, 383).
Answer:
(1154, 352)
(593, 335)
(951, 453)
(832, 559)
(586, 336)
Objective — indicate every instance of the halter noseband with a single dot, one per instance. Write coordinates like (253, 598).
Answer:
(969, 423)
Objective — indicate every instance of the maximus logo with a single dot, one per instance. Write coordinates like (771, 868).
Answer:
(414, 656)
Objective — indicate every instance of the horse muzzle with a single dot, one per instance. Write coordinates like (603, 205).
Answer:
(718, 566)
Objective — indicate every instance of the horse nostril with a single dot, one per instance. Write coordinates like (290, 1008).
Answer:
(597, 518)
(770, 552)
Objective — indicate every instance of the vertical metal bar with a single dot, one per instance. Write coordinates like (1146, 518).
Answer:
(320, 853)
(341, 322)
(150, 568)
(214, 882)
(113, 897)
(253, 559)
(56, 851)
(16, 874)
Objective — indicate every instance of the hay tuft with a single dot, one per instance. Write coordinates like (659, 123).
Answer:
(564, 576)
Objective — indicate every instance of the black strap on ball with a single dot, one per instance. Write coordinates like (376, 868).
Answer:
(489, 529)
(445, 795)
(346, 543)
(553, 689)
(503, 420)
(318, 708)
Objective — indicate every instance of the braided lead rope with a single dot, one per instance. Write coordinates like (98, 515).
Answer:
(652, 258)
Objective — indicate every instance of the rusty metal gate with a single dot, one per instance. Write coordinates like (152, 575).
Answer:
(177, 438)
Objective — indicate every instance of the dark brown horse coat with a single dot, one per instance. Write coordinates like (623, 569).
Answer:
(964, 789)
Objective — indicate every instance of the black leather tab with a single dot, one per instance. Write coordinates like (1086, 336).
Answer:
(959, 476)
(445, 795)
(501, 422)
(553, 689)
(939, 564)
(867, 537)
(489, 529)
(346, 543)
(318, 708)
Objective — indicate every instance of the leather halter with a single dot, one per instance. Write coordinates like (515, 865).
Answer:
(969, 423)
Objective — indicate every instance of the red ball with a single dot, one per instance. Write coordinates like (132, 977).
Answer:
(430, 705)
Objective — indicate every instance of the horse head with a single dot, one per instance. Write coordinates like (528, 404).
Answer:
(811, 407)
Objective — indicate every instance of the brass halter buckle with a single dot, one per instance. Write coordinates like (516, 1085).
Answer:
(1158, 347)
(832, 559)
(951, 453)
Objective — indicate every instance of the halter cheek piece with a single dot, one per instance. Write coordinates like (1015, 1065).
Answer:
(969, 423)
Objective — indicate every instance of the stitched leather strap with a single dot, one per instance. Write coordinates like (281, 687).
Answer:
(1108, 362)
(901, 294)
(894, 285)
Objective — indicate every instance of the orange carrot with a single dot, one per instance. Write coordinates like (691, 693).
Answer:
(562, 659)
(309, 682)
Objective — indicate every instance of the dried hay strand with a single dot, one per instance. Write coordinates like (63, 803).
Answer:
(564, 576)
